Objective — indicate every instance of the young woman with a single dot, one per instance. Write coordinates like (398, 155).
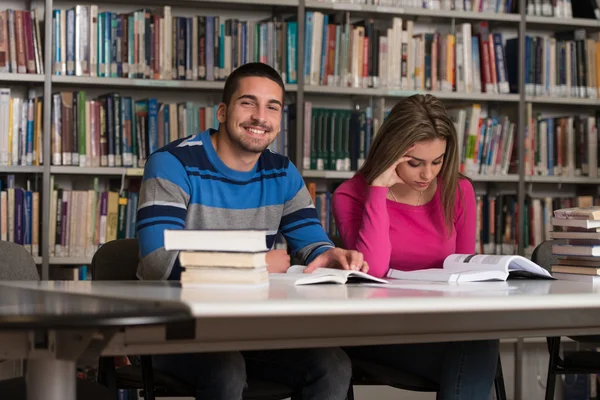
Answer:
(408, 208)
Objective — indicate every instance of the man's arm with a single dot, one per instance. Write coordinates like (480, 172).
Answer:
(163, 203)
(300, 225)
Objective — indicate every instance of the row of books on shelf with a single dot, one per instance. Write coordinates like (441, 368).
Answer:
(80, 220)
(469, 59)
(83, 220)
(21, 42)
(369, 53)
(116, 130)
(20, 129)
(107, 131)
(486, 144)
(339, 140)
(20, 214)
(154, 44)
(564, 8)
(566, 65)
(563, 145)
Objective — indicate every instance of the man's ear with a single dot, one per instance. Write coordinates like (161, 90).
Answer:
(222, 113)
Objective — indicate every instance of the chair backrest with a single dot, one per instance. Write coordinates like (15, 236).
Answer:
(542, 254)
(16, 263)
(116, 260)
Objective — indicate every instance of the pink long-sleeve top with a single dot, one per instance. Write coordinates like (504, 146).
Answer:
(402, 236)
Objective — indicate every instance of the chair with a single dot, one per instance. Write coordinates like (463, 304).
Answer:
(572, 362)
(118, 260)
(18, 265)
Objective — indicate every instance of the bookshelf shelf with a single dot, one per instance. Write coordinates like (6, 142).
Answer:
(209, 3)
(328, 174)
(562, 180)
(383, 92)
(561, 23)
(145, 83)
(458, 96)
(336, 90)
(114, 171)
(572, 101)
(414, 12)
(21, 169)
(31, 78)
(70, 260)
(134, 172)
(495, 178)
(65, 260)
(343, 175)
(266, 3)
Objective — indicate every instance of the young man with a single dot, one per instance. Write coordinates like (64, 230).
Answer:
(227, 179)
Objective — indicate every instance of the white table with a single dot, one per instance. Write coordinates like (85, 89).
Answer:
(53, 330)
(284, 315)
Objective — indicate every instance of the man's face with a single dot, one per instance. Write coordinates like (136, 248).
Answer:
(253, 116)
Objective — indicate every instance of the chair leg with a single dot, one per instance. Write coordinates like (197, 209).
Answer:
(147, 377)
(553, 350)
(499, 382)
(107, 375)
(350, 395)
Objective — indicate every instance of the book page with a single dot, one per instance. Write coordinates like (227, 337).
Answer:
(454, 275)
(469, 262)
(295, 275)
(320, 275)
(518, 263)
(506, 263)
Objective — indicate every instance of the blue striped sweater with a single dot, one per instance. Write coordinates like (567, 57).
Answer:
(187, 186)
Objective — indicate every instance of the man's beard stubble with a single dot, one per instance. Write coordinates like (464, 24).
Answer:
(245, 143)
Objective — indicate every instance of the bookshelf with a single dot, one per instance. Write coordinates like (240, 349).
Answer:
(299, 92)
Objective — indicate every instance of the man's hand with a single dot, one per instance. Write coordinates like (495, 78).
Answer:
(278, 261)
(338, 258)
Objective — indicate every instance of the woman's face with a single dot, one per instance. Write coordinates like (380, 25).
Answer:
(425, 164)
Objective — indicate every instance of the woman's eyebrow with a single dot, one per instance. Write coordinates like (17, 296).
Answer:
(419, 159)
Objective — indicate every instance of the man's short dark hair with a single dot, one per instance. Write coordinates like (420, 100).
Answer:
(249, 70)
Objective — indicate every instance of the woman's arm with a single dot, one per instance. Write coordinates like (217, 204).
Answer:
(365, 226)
(465, 215)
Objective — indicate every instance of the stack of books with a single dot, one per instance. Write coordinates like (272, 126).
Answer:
(578, 254)
(220, 257)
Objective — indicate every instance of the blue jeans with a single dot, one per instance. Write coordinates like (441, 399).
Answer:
(464, 370)
(313, 373)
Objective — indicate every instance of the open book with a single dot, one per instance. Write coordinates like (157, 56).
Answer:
(295, 274)
(476, 268)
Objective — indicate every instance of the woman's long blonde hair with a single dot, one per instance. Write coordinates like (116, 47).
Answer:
(415, 119)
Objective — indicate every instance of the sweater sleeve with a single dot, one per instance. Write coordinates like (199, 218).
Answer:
(164, 198)
(465, 218)
(300, 224)
(364, 226)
